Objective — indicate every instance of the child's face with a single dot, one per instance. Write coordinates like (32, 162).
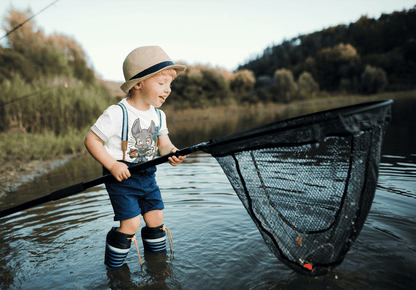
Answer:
(155, 89)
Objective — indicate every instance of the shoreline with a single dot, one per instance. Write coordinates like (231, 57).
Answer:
(16, 171)
(180, 117)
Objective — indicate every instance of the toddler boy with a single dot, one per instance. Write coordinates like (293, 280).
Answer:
(132, 132)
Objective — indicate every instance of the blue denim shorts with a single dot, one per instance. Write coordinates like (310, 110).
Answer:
(135, 195)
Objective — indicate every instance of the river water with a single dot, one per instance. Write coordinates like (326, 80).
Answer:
(60, 245)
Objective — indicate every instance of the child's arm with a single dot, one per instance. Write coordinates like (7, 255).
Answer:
(95, 146)
(166, 147)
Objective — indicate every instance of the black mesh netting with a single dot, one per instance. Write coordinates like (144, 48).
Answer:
(308, 182)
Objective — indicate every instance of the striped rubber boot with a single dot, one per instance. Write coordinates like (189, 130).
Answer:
(154, 239)
(117, 248)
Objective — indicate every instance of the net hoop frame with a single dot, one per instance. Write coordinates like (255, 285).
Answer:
(346, 121)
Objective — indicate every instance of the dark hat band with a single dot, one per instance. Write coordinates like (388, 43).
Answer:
(152, 69)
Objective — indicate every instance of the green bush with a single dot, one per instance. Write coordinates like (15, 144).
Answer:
(373, 80)
(308, 88)
(13, 63)
(200, 87)
(264, 89)
(242, 85)
(285, 85)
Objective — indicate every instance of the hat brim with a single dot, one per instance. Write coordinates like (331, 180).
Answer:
(126, 87)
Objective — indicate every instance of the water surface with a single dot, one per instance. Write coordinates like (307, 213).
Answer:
(60, 245)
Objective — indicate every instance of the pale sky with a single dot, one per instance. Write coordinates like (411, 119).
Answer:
(224, 33)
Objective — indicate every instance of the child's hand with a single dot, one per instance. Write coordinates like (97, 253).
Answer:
(120, 171)
(174, 161)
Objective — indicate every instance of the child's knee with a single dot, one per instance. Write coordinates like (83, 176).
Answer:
(153, 218)
(130, 226)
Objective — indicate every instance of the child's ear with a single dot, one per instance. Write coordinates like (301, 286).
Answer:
(138, 86)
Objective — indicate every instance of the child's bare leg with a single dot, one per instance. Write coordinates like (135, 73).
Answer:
(154, 238)
(153, 218)
(130, 226)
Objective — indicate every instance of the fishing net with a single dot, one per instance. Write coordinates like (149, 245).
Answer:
(308, 182)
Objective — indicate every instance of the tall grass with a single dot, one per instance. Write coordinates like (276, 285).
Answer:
(51, 105)
(41, 146)
(48, 118)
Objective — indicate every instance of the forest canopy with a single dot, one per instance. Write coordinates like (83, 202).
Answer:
(367, 56)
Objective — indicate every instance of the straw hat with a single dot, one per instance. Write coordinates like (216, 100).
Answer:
(144, 62)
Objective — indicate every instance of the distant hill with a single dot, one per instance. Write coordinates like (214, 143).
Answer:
(349, 57)
(114, 88)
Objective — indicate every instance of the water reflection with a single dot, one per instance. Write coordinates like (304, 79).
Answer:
(400, 134)
(156, 273)
(191, 133)
(397, 175)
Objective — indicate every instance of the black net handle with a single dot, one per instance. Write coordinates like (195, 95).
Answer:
(80, 187)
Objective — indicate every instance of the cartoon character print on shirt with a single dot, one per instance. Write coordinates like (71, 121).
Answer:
(144, 147)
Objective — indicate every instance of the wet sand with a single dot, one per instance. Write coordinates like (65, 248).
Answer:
(15, 172)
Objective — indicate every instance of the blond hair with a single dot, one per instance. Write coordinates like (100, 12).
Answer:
(169, 71)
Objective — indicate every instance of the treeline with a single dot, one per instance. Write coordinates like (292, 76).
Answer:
(49, 96)
(203, 86)
(367, 56)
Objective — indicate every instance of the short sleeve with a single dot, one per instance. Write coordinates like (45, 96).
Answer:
(109, 123)
(164, 128)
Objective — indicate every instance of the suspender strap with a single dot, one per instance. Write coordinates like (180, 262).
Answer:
(125, 129)
(160, 125)
(124, 132)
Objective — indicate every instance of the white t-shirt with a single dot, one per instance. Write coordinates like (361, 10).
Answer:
(142, 126)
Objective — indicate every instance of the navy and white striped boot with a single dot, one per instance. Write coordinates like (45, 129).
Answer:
(117, 248)
(154, 239)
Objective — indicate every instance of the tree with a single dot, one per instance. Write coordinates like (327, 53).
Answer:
(215, 87)
(308, 88)
(25, 38)
(264, 89)
(49, 55)
(373, 80)
(285, 85)
(335, 63)
(14, 63)
(242, 85)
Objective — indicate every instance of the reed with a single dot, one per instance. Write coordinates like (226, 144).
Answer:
(55, 105)
(28, 146)
(48, 118)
